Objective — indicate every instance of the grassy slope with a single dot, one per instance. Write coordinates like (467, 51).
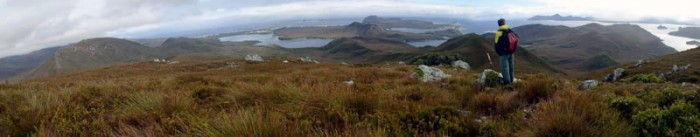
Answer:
(570, 48)
(661, 65)
(475, 49)
(204, 98)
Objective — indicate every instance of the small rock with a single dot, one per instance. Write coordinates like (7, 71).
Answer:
(254, 58)
(459, 64)
(675, 69)
(588, 84)
(306, 59)
(689, 86)
(349, 82)
(285, 61)
(402, 63)
(231, 65)
(639, 63)
(685, 67)
(444, 85)
(315, 61)
(173, 62)
(344, 63)
(429, 74)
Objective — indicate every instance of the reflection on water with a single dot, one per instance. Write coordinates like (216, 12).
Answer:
(673, 41)
(270, 39)
(427, 43)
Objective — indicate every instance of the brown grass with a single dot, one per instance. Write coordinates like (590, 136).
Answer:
(203, 98)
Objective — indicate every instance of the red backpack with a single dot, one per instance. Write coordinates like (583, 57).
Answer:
(508, 43)
(512, 41)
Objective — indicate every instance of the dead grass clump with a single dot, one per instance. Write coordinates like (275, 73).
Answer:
(494, 103)
(211, 96)
(91, 97)
(361, 105)
(538, 88)
(194, 79)
(577, 114)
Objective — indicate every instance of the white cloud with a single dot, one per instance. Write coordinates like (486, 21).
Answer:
(34, 24)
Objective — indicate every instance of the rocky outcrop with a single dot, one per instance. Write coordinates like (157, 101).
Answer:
(588, 84)
(489, 78)
(459, 64)
(254, 58)
(429, 74)
(639, 63)
(308, 60)
(615, 75)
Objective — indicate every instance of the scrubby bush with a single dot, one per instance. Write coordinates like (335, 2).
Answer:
(441, 120)
(643, 78)
(663, 97)
(680, 119)
(432, 59)
(628, 106)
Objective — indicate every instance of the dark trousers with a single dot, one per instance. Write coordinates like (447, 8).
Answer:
(507, 64)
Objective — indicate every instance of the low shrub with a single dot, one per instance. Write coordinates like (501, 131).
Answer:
(680, 119)
(627, 106)
(643, 78)
(433, 59)
(441, 120)
(663, 97)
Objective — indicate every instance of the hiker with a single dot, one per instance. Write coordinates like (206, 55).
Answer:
(505, 44)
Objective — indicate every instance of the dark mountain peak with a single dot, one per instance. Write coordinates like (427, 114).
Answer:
(366, 44)
(560, 18)
(364, 29)
(182, 45)
(101, 42)
(464, 41)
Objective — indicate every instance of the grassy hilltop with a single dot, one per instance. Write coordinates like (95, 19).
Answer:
(237, 98)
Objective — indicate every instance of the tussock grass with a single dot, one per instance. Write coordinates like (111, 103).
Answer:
(203, 98)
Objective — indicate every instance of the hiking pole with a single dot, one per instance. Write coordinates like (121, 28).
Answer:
(489, 56)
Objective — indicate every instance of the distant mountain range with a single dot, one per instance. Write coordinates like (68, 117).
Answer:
(547, 49)
(591, 47)
(102, 52)
(374, 27)
(690, 32)
(14, 65)
(401, 23)
(558, 17)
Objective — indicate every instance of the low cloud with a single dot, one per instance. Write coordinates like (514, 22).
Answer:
(30, 25)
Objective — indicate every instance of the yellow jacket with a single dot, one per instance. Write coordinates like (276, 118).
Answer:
(499, 33)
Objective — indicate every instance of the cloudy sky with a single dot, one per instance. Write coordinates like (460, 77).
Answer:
(29, 25)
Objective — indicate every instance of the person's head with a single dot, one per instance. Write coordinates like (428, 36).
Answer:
(501, 22)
